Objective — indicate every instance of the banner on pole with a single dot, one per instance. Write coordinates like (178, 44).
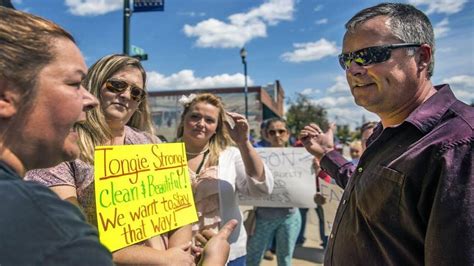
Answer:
(148, 5)
(141, 191)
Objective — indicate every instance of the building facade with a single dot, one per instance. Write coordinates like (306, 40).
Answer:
(263, 102)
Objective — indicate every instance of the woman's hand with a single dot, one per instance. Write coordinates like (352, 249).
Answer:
(240, 131)
(216, 245)
(180, 255)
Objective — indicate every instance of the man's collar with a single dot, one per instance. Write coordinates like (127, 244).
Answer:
(429, 113)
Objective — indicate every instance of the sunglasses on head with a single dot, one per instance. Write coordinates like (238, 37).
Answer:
(118, 86)
(371, 55)
(273, 132)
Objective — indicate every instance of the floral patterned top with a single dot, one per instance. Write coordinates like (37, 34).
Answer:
(206, 197)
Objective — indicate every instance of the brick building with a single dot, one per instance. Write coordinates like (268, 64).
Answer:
(263, 102)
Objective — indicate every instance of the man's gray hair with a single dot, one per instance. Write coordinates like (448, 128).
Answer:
(406, 22)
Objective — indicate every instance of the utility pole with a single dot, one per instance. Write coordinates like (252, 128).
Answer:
(127, 13)
(243, 55)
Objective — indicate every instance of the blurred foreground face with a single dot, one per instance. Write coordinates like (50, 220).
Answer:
(47, 136)
(277, 134)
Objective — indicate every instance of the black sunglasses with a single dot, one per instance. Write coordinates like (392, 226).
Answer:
(118, 86)
(273, 132)
(371, 55)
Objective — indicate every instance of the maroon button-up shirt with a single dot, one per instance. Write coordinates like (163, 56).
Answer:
(410, 200)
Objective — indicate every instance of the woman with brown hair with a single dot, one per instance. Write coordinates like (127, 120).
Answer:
(218, 169)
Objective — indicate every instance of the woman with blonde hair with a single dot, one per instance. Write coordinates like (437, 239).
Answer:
(123, 117)
(218, 169)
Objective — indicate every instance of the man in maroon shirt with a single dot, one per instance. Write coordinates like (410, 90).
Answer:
(412, 192)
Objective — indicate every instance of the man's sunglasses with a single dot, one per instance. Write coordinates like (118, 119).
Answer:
(371, 55)
(118, 86)
(273, 132)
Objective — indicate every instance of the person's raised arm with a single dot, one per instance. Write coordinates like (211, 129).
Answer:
(179, 236)
(317, 142)
(321, 145)
(143, 255)
(239, 133)
(67, 193)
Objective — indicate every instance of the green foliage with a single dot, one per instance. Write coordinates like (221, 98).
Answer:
(343, 133)
(302, 112)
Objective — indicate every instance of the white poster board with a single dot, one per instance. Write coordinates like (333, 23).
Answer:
(295, 184)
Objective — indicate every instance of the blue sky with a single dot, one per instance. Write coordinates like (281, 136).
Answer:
(195, 44)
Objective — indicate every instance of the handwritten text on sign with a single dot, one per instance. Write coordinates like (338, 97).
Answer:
(295, 183)
(294, 180)
(141, 191)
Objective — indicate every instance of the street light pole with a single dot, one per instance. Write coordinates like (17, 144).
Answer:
(126, 26)
(243, 54)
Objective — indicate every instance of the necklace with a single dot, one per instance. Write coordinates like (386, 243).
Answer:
(198, 153)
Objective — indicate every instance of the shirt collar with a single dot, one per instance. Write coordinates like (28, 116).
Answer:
(429, 113)
(11, 174)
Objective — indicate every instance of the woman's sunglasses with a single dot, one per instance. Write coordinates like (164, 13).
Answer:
(273, 132)
(118, 86)
(371, 55)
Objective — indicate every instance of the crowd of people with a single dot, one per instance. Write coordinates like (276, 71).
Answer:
(408, 186)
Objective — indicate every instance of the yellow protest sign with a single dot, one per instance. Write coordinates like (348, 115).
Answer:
(141, 191)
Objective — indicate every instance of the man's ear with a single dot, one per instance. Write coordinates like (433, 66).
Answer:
(9, 99)
(424, 57)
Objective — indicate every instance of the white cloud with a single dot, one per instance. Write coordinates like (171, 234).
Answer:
(441, 28)
(310, 91)
(192, 14)
(217, 34)
(462, 86)
(321, 21)
(334, 102)
(272, 12)
(311, 51)
(185, 79)
(340, 86)
(441, 6)
(242, 27)
(318, 8)
(93, 7)
(444, 49)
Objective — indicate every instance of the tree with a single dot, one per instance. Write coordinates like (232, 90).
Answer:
(302, 112)
(343, 133)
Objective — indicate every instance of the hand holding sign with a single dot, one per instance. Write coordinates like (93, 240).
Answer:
(179, 255)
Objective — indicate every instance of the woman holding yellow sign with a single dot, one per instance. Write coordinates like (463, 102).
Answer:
(217, 169)
(123, 117)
